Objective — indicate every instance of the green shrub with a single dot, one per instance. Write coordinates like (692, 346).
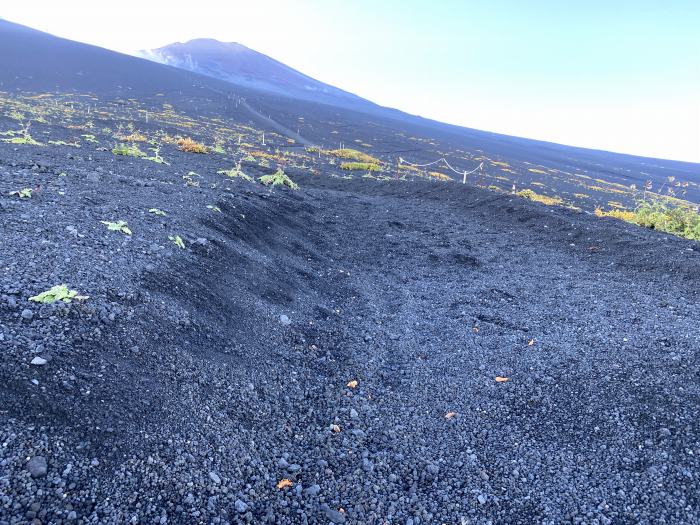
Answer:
(236, 172)
(681, 220)
(364, 166)
(129, 150)
(280, 178)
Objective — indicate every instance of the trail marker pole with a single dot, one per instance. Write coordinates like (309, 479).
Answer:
(464, 178)
(263, 138)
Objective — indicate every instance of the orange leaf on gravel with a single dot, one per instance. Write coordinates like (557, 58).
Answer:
(284, 483)
(352, 384)
(335, 428)
(450, 415)
(500, 379)
(531, 342)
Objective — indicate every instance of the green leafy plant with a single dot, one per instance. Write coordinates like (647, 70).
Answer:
(236, 172)
(177, 240)
(680, 220)
(119, 226)
(21, 136)
(218, 148)
(280, 178)
(25, 193)
(156, 211)
(90, 138)
(57, 293)
(214, 208)
(156, 157)
(129, 150)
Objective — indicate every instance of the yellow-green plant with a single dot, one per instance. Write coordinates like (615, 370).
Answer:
(236, 172)
(25, 193)
(364, 166)
(280, 178)
(119, 226)
(129, 150)
(177, 240)
(57, 293)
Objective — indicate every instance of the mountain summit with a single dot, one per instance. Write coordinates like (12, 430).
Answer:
(238, 64)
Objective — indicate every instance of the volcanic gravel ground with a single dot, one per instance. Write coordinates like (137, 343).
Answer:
(192, 382)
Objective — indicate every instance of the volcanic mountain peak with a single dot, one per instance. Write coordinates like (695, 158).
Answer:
(238, 64)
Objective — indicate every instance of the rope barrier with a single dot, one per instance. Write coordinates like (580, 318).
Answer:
(463, 173)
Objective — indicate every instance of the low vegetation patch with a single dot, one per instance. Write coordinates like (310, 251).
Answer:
(191, 146)
(21, 136)
(681, 220)
(236, 173)
(57, 293)
(280, 178)
(353, 154)
(156, 156)
(177, 241)
(24, 193)
(133, 137)
(119, 226)
(364, 166)
(544, 199)
(129, 150)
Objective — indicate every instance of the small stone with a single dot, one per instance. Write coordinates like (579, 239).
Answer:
(353, 413)
(313, 490)
(37, 466)
(481, 498)
(664, 432)
(27, 314)
(72, 515)
(39, 361)
(214, 477)
(286, 321)
(332, 514)
(241, 506)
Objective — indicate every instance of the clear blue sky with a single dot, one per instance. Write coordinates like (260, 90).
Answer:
(616, 75)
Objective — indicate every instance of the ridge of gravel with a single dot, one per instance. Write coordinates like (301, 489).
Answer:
(192, 382)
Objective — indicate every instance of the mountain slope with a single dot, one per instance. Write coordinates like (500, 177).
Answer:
(245, 67)
(37, 61)
(378, 347)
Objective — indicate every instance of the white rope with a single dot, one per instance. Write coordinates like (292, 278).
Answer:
(463, 173)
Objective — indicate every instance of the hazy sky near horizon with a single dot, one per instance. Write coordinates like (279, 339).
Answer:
(618, 75)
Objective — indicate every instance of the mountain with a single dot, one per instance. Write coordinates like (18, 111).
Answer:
(34, 60)
(283, 100)
(204, 321)
(240, 65)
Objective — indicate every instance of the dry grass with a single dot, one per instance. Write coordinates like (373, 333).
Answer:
(134, 137)
(353, 154)
(544, 199)
(191, 146)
